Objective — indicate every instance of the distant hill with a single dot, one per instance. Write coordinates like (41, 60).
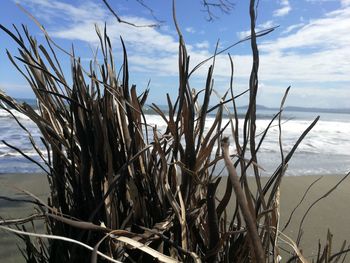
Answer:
(243, 108)
(302, 109)
(328, 110)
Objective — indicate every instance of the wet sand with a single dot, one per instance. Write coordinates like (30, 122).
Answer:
(34, 183)
(330, 213)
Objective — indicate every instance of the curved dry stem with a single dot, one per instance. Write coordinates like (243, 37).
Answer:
(300, 202)
(241, 199)
(314, 203)
(59, 238)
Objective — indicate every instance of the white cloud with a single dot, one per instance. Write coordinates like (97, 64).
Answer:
(319, 67)
(329, 32)
(342, 2)
(320, 1)
(312, 56)
(149, 49)
(345, 2)
(306, 96)
(284, 10)
(318, 52)
(190, 30)
(147, 40)
(202, 45)
(266, 25)
(81, 23)
(49, 10)
(292, 27)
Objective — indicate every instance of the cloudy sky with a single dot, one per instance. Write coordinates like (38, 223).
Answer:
(308, 51)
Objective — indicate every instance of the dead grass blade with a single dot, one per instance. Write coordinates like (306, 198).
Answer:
(58, 238)
(151, 194)
(137, 245)
(314, 203)
(251, 225)
(300, 202)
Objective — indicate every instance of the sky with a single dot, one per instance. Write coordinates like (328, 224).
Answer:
(309, 50)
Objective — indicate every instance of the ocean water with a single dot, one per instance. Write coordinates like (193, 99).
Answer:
(325, 150)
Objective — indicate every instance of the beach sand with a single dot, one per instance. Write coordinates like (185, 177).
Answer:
(330, 213)
(34, 183)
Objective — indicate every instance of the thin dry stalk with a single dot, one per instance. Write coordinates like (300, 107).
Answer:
(137, 194)
(242, 202)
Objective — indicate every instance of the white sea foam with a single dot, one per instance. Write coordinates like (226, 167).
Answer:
(323, 151)
(18, 115)
(328, 137)
(30, 153)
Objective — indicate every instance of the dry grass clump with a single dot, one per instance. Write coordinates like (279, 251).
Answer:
(127, 192)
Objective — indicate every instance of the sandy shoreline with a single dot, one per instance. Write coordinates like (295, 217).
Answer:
(331, 213)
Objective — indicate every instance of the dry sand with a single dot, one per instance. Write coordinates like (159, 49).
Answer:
(331, 213)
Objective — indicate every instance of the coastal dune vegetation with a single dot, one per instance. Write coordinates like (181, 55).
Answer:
(123, 191)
